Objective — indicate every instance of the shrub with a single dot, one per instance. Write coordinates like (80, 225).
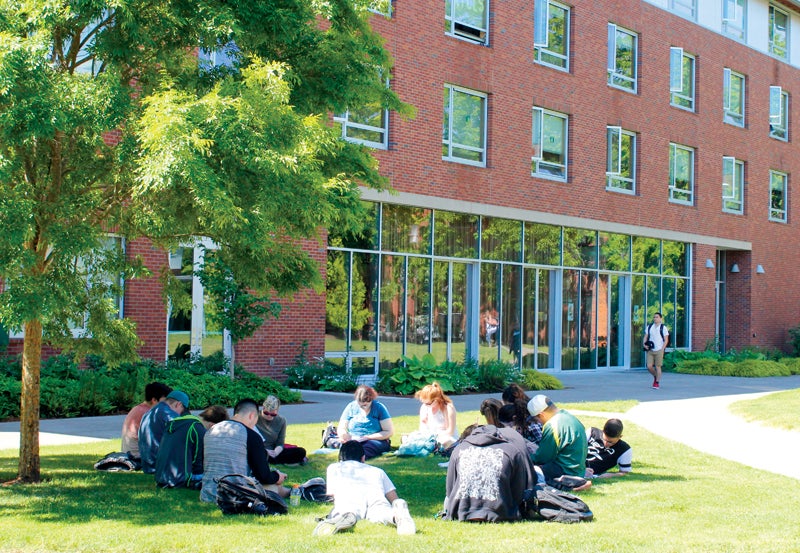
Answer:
(794, 340)
(535, 380)
(747, 368)
(793, 363)
(495, 375)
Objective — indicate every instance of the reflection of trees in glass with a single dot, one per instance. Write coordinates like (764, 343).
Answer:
(681, 166)
(777, 196)
(337, 295)
(615, 254)
(557, 42)
(406, 229)
(646, 255)
(364, 236)
(502, 239)
(580, 248)
(456, 235)
(624, 71)
(463, 124)
(468, 12)
(778, 23)
(542, 244)
(674, 258)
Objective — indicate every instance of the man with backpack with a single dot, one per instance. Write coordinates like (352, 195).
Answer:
(656, 339)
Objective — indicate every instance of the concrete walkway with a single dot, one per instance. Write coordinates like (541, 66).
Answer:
(692, 410)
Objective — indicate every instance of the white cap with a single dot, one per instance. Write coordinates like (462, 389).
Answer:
(538, 404)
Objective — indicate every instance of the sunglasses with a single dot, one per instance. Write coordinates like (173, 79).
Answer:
(269, 413)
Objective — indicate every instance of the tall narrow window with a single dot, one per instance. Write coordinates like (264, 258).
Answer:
(777, 196)
(620, 167)
(733, 98)
(467, 19)
(732, 185)
(681, 174)
(681, 79)
(778, 113)
(734, 18)
(778, 33)
(554, 49)
(622, 55)
(686, 8)
(464, 126)
(549, 141)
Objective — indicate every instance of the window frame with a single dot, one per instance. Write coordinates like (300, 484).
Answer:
(346, 123)
(673, 189)
(484, 126)
(452, 24)
(540, 49)
(676, 85)
(771, 48)
(538, 127)
(734, 167)
(684, 8)
(611, 61)
(372, 7)
(730, 25)
(778, 215)
(728, 115)
(782, 116)
(614, 173)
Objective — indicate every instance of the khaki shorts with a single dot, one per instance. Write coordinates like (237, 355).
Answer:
(655, 358)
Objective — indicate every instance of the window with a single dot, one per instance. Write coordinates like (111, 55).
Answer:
(224, 56)
(778, 113)
(777, 196)
(686, 8)
(778, 33)
(549, 140)
(732, 185)
(733, 98)
(95, 270)
(467, 19)
(622, 55)
(681, 79)
(368, 125)
(734, 18)
(681, 174)
(383, 7)
(553, 47)
(464, 126)
(620, 169)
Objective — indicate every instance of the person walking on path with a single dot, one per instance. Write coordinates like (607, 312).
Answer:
(656, 339)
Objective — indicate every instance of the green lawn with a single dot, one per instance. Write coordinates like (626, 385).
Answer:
(778, 410)
(677, 500)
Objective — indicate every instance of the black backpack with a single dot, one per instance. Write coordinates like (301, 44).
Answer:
(238, 494)
(550, 504)
(118, 461)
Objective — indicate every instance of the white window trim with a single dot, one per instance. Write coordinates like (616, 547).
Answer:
(483, 33)
(450, 145)
(674, 189)
(782, 117)
(737, 184)
(540, 48)
(612, 60)
(676, 80)
(614, 173)
(374, 9)
(770, 44)
(731, 117)
(344, 120)
(539, 113)
(784, 212)
(730, 28)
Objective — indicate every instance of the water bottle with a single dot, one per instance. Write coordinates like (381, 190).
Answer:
(294, 496)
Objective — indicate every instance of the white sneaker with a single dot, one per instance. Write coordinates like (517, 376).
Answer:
(402, 518)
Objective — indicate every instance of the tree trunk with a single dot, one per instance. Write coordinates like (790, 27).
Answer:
(29, 462)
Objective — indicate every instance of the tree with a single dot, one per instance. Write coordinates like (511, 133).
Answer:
(108, 125)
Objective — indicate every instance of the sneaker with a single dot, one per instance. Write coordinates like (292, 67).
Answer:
(656, 386)
(402, 518)
(335, 524)
(328, 434)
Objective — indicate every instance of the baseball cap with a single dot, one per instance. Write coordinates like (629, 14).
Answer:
(538, 403)
(179, 396)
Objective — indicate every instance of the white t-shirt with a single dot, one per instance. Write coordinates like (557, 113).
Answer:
(655, 336)
(360, 489)
(434, 423)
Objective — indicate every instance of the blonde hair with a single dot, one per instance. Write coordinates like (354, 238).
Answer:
(432, 393)
(365, 393)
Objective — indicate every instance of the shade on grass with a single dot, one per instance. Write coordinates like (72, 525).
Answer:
(676, 500)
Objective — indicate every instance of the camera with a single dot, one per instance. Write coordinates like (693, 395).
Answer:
(648, 345)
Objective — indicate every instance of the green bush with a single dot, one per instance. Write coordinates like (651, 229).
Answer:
(746, 367)
(793, 363)
(794, 340)
(535, 380)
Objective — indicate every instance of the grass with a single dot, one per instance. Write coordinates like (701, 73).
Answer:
(676, 500)
(617, 406)
(778, 410)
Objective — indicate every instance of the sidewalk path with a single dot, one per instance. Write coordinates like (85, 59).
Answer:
(689, 409)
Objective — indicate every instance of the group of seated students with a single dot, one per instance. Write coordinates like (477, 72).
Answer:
(525, 441)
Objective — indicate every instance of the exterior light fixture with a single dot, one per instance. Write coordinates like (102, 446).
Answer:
(760, 270)
(709, 264)
(735, 268)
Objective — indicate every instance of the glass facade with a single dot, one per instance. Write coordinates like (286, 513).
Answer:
(457, 285)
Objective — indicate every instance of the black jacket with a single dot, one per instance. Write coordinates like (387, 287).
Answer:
(181, 453)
